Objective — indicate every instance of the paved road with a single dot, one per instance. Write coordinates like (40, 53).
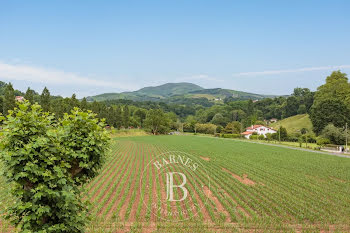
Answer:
(285, 146)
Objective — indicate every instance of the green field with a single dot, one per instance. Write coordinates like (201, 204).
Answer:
(253, 187)
(295, 123)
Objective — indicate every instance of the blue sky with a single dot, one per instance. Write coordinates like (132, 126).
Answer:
(92, 47)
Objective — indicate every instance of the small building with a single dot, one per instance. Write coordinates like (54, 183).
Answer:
(259, 129)
(273, 120)
(19, 98)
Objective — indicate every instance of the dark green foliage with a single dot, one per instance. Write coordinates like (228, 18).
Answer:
(140, 116)
(234, 127)
(157, 122)
(333, 134)
(9, 101)
(281, 134)
(45, 100)
(219, 120)
(329, 111)
(29, 95)
(118, 120)
(83, 104)
(126, 116)
(46, 162)
(74, 102)
(332, 103)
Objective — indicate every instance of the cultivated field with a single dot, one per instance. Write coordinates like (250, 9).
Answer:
(252, 188)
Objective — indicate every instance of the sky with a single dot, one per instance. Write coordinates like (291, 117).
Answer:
(94, 47)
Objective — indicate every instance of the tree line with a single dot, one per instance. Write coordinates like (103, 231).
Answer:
(328, 108)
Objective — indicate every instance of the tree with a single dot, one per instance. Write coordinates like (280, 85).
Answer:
(237, 115)
(331, 103)
(156, 121)
(302, 109)
(46, 163)
(219, 119)
(126, 116)
(331, 111)
(336, 87)
(281, 134)
(140, 115)
(29, 95)
(190, 123)
(9, 102)
(234, 127)
(291, 107)
(73, 101)
(333, 134)
(45, 100)
(111, 117)
(84, 104)
(118, 120)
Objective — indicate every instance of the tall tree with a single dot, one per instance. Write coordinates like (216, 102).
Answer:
(140, 115)
(330, 111)
(126, 117)
(45, 100)
(9, 101)
(331, 103)
(157, 122)
(119, 119)
(336, 87)
(83, 104)
(74, 101)
(29, 95)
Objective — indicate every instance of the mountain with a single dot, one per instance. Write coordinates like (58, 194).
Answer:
(170, 89)
(177, 93)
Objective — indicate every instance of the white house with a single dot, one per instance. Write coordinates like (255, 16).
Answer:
(259, 129)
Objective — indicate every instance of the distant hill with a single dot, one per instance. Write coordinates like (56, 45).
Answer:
(170, 89)
(219, 93)
(295, 123)
(178, 92)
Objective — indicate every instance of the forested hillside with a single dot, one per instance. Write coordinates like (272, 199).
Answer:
(328, 108)
(180, 93)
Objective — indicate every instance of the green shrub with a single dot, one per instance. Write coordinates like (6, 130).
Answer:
(46, 162)
(230, 135)
(254, 137)
(321, 141)
(261, 137)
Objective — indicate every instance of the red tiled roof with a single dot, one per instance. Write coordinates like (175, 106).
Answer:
(255, 126)
(246, 133)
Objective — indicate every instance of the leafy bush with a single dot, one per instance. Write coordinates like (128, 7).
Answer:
(230, 135)
(334, 134)
(205, 128)
(322, 141)
(46, 162)
(261, 137)
(254, 137)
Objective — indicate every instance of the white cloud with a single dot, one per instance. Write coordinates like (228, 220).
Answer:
(268, 72)
(50, 76)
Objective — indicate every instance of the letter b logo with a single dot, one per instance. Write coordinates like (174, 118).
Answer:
(170, 186)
